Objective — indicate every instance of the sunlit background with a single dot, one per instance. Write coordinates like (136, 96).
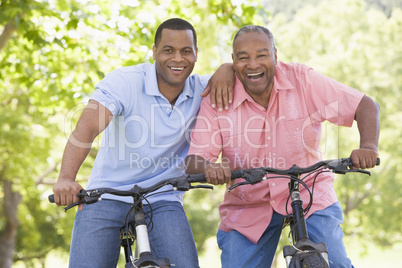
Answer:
(53, 53)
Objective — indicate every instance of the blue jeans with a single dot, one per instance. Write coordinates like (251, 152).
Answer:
(322, 226)
(96, 234)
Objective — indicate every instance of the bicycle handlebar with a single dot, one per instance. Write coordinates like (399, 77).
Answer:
(251, 176)
(182, 183)
(256, 175)
(339, 166)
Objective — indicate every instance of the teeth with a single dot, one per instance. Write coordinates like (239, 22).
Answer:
(256, 74)
(177, 68)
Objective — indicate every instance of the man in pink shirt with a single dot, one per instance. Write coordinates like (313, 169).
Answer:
(275, 120)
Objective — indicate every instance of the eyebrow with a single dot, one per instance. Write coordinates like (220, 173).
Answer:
(169, 46)
(241, 52)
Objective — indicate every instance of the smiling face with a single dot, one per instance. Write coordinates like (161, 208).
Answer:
(175, 57)
(254, 60)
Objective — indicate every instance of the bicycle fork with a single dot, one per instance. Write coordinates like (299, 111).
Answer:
(143, 248)
(126, 242)
(301, 242)
(127, 237)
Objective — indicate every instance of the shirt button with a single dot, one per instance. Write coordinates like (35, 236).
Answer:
(273, 184)
(269, 137)
(273, 201)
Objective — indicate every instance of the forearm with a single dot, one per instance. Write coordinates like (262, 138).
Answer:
(94, 119)
(368, 123)
(73, 157)
(66, 189)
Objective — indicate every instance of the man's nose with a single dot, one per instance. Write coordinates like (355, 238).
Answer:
(177, 56)
(253, 63)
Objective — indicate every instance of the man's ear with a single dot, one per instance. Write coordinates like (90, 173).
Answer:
(196, 54)
(276, 57)
(153, 52)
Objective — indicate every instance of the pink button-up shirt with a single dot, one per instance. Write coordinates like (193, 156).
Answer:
(286, 133)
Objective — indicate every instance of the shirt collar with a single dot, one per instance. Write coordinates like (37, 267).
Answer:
(151, 84)
(281, 82)
(239, 94)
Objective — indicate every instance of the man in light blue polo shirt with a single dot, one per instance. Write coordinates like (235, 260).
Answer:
(146, 113)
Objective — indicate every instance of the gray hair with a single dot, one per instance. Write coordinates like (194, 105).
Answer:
(255, 29)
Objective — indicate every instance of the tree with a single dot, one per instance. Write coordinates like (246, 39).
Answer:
(52, 53)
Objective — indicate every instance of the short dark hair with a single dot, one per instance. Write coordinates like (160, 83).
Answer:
(256, 29)
(174, 24)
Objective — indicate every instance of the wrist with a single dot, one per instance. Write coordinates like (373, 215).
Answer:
(66, 179)
(371, 148)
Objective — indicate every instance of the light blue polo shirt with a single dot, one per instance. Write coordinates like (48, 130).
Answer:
(147, 140)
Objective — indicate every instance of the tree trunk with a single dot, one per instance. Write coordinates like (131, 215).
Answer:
(8, 235)
(8, 31)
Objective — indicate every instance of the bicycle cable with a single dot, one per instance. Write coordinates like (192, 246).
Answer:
(290, 177)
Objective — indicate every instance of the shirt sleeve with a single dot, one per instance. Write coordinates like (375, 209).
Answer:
(206, 139)
(328, 99)
(112, 92)
(204, 82)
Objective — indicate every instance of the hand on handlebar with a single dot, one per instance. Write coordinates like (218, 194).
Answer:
(363, 158)
(65, 192)
(218, 173)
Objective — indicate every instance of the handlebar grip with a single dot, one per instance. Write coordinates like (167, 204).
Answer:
(197, 178)
(350, 161)
(51, 197)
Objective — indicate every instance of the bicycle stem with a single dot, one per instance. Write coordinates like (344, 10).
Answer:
(300, 230)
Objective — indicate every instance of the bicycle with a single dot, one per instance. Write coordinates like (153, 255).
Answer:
(302, 252)
(142, 257)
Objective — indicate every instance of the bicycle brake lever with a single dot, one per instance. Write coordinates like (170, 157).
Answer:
(343, 166)
(84, 200)
(238, 184)
(361, 171)
(73, 205)
(251, 177)
(202, 186)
